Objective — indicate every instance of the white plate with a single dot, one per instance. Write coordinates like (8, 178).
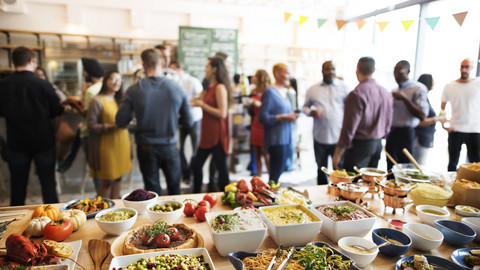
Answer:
(123, 261)
(52, 267)
(77, 245)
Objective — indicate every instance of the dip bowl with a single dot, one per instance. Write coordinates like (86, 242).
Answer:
(474, 223)
(393, 250)
(429, 213)
(424, 237)
(116, 227)
(467, 211)
(245, 240)
(140, 206)
(168, 217)
(361, 259)
(455, 233)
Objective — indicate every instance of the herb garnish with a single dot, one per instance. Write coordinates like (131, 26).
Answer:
(341, 210)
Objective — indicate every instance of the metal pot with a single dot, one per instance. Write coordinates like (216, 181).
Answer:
(372, 174)
(402, 190)
(352, 191)
(338, 179)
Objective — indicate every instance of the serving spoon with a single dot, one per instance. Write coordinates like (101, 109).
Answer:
(372, 248)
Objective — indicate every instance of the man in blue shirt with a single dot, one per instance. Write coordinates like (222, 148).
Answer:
(157, 102)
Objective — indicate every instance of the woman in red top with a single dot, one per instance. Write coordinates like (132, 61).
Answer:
(261, 80)
(214, 136)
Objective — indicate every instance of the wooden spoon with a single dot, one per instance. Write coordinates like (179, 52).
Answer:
(99, 251)
(412, 159)
(390, 157)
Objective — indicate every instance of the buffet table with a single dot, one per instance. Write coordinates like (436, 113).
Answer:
(318, 194)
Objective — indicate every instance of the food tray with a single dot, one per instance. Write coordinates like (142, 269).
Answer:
(90, 215)
(438, 263)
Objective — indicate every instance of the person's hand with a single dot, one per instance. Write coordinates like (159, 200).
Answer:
(196, 102)
(441, 118)
(335, 161)
(398, 95)
(256, 103)
(290, 117)
(315, 114)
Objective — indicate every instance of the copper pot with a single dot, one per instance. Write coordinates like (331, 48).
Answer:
(338, 179)
(372, 174)
(390, 188)
(395, 201)
(352, 191)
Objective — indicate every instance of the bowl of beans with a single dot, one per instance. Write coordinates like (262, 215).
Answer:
(166, 210)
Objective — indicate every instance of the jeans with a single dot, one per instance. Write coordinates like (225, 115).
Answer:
(364, 153)
(151, 158)
(19, 165)
(278, 159)
(399, 138)
(322, 152)
(455, 141)
(219, 157)
(194, 133)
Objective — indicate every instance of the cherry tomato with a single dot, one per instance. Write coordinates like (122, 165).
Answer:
(189, 209)
(173, 233)
(163, 240)
(211, 198)
(200, 213)
(148, 240)
(58, 230)
(205, 203)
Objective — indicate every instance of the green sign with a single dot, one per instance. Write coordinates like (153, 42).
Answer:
(197, 44)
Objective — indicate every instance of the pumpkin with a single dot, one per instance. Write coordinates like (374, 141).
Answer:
(36, 225)
(77, 217)
(46, 211)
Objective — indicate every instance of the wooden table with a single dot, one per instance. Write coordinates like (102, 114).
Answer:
(318, 194)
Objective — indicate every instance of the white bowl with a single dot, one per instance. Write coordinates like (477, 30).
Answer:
(168, 217)
(335, 230)
(461, 210)
(360, 259)
(292, 234)
(419, 233)
(474, 223)
(226, 242)
(140, 206)
(429, 218)
(117, 227)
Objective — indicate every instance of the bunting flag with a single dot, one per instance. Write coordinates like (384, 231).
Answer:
(382, 25)
(287, 16)
(360, 23)
(303, 19)
(407, 24)
(321, 22)
(460, 17)
(340, 24)
(432, 22)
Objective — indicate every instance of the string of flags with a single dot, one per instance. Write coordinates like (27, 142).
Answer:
(432, 21)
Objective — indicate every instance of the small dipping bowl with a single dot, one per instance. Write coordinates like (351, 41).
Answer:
(429, 213)
(455, 233)
(474, 223)
(392, 250)
(467, 211)
(396, 224)
(424, 237)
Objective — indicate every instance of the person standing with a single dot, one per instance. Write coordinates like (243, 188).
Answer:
(157, 103)
(276, 116)
(109, 146)
(463, 95)
(325, 103)
(32, 112)
(367, 120)
(410, 106)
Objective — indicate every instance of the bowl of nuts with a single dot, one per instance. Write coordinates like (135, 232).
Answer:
(166, 210)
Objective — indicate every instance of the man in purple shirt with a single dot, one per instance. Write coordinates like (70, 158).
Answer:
(367, 119)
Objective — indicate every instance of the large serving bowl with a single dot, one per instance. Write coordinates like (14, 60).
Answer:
(408, 173)
(393, 250)
(335, 179)
(474, 223)
(140, 206)
(361, 259)
(168, 217)
(116, 227)
(429, 213)
(372, 174)
(248, 240)
(335, 230)
(291, 234)
(389, 188)
(352, 191)
(424, 237)
(455, 233)
(425, 193)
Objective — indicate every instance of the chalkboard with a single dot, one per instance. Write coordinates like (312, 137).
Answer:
(197, 44)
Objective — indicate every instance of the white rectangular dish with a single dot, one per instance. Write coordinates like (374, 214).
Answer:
(66, 264)
(335, 230)
(122, 261)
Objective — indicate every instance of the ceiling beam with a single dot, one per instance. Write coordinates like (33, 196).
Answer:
(390, 8)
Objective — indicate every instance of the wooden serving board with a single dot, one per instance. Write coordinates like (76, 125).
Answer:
(18, 226)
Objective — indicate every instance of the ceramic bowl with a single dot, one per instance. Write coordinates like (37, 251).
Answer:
(360, 259)
(474, 223)
(428, 213)
(140, 206)
(424, 237)
(392, 250)
(168, 217)
(467, 211)
(116, 227)
(455, 233)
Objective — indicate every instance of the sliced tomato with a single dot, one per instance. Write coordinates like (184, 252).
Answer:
(163, 240)
(58, 230)
(173, 233)
(200, 213)
(211, 198)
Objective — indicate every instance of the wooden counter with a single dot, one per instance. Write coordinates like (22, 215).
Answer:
(318, 194)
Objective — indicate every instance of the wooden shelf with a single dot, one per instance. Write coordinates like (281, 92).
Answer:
(8, 46)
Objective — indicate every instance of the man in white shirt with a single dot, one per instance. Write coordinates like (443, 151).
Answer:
(192, 87)
(464, 97)
(325, 103)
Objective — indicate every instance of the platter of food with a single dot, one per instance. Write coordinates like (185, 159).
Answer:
(466, 257)
(90, 206)
(416, 262)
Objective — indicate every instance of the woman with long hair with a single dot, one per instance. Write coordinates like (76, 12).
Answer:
(108, 145)
(276, 116)
(214, 136)
(261, 80)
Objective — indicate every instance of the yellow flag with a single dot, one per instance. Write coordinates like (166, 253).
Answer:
(407, 24)
(360, 23)
(382, 25)
(287, 16)
(340, 24)
(460, 17)
(303, 19)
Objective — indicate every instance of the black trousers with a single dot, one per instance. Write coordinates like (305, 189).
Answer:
(219, 158)
(455, 141)
(322, 152)
(364, 153)
(399, 138)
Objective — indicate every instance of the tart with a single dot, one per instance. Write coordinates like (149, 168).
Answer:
(132, 244)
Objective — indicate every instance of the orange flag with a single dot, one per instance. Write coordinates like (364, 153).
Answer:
(287, 16)
(360, 23)
(340, 24)
(303, 19)
(407, 24)
(460, 17)
(382, 25)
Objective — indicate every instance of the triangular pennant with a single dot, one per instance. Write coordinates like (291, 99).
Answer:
(460, 17)
(432, 22)
(287, 16)
(321, 22)
(407, 24)
(382, 25)
(340, 24)
(360, 23)
(303, 19)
